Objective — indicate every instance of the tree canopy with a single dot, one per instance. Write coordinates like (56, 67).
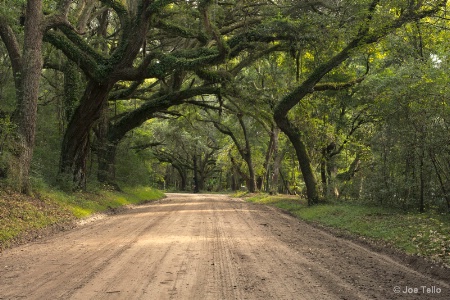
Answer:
(325, 99)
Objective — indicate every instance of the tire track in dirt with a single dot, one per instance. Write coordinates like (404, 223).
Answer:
(273, 266)
(345, 268)
(105, 280)
(80, 255)
(204, 247)
(225, 277)
(142, 260)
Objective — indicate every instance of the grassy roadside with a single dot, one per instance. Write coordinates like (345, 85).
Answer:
(426, 235)
(21, 214)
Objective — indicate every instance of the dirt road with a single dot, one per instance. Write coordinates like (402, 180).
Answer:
(205, 247)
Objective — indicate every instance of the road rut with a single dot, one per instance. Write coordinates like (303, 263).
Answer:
(198, 246)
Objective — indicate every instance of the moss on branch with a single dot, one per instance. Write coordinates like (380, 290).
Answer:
(120, 9)
(160, 102)
(86, 62)
(180, 31)
(214, 76)
(169, 62)
(81, 44)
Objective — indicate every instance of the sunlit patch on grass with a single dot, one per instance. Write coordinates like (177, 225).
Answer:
(20, 214)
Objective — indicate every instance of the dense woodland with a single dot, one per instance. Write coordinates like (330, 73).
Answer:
(330, 99)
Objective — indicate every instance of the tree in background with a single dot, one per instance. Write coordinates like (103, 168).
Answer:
(410, 139)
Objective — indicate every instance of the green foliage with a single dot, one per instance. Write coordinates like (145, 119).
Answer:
(138, 194)
(409, 139)
(6, 130)
(47, 150)
(286, 202)
(21, 215)
(256, 55)
(85, 204)
(131, 168)
(11, 10)
(180, 141)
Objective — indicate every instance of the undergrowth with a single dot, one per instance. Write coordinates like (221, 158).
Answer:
(427, 234)
(85, 204)
(20, 214)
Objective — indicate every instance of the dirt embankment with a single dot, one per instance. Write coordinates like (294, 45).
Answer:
(207, 247)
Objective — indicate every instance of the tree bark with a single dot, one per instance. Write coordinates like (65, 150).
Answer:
(75, 146)
(266, 165)
(106, 155)
(27, 68)
(183, 176)
(304, 160)
(14, 52)
(245, 152)
(445, 192)
(247, 156)
(422, 181)
(277, 158)
(72, 89)
(76, 142)
(26, 114)
(196, 184)
(364, 36)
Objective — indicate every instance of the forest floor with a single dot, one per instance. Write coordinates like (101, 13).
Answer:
(198, 246)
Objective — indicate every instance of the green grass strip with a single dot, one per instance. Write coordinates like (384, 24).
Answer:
(20, 214)
(427, 235)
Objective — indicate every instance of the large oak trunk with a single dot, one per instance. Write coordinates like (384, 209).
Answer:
(75, 147)
(294, 136)
(26, 113)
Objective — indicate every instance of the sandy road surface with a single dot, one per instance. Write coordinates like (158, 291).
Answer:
(205, 247)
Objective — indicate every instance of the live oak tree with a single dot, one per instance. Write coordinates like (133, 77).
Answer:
(298, 67)
(102, 71)
(360, 38)
(375, 20)
(242, 145)
(190, 149)
(117, 129)
(26, 62)
(153, 39)
(185, 77)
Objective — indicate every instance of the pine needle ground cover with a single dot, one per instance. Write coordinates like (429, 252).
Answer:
(426, 235)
